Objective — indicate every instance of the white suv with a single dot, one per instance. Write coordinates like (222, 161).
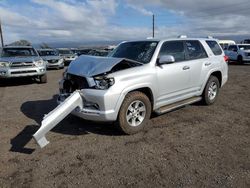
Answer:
(138, 78)
(239, 53)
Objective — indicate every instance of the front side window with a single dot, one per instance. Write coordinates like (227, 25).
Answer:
(232, 48)
(141, 51)
(174, 48)
(244, 47)
(195, 50)
(215, 47)
(18, 52)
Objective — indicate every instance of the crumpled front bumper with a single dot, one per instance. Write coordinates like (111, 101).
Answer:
(73, 102)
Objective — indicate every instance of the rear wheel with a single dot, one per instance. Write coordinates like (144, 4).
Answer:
(134, 113)
(43, 79)
(211, 90)
(240, 60)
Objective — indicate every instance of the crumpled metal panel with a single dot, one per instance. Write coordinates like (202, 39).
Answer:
(88, 66)
(57, 115)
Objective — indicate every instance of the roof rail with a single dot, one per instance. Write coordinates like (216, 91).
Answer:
(182, 36)
(210, 37)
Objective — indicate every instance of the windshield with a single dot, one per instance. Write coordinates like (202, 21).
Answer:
(65, 52)
(18, 52)
(141, 51)
(244, 47)
(48, 53)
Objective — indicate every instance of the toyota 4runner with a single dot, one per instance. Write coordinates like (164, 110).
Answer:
(138, 78)
(22, 61)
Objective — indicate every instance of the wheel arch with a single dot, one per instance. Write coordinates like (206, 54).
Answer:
(148, 92)
(218, 75)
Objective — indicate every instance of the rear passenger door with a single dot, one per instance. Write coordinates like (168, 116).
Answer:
(196, 58)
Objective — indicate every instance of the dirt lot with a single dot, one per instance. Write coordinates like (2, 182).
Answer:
(196, 146)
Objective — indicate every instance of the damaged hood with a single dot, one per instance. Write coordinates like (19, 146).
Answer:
(88, 66)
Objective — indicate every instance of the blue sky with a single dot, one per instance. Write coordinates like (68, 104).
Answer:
(110, 20)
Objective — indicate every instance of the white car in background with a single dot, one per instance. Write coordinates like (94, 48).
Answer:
(239, 53)
(225, 43)
(67, 54)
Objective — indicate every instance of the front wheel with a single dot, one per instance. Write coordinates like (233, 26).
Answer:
(43, 79)
(211, 90)
(240, 60)
(134, 113)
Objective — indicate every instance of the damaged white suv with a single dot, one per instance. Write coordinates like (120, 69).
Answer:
(138, 78)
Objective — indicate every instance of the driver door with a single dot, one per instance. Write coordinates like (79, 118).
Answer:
(173, 79)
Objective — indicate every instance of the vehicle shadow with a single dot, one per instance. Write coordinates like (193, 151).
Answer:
(16, 82)
(233, 63)
(71, 125)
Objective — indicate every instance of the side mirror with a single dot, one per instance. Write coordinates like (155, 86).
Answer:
(166, 59)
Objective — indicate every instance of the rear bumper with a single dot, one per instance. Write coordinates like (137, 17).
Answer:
(22, 72)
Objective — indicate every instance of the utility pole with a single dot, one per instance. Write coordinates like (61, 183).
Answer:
(153, 26)
(1, 34)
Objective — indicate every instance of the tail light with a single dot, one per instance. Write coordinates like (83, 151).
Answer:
(226, 58)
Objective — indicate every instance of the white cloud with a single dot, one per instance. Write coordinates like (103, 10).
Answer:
(140, 9)
(73, 20)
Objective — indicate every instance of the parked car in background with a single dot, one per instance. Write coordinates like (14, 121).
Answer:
(52, 58)
(246, 41)
(67, 54)
(81, 51)
(225, 43)
(98, 52)
(138, 78)
(22, 61)
(239, 53)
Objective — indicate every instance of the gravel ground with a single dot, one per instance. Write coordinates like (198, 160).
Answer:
(196, 146)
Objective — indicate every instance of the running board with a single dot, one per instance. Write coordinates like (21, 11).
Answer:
(176, 105)
(56, 116)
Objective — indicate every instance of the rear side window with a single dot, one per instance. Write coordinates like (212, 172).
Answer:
(195, 50)
(174, 48)
(215, 47)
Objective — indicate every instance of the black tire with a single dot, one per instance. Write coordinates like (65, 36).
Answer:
(43, 79)
(240, 60)
(134, 98)
(208, 96)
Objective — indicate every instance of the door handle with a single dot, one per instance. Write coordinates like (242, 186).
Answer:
(207, 63)
(186, 68)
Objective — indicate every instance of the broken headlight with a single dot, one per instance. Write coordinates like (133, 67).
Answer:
(103, 82)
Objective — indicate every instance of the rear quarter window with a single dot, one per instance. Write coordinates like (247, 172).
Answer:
(215, 47)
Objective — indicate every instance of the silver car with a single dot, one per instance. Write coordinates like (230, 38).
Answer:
(67, 54)
(138, 78)
(52, 58)
(22, 61)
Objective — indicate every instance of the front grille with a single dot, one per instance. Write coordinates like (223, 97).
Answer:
(75, 83)
(23, 72)
(22, 64)
(53, 61)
